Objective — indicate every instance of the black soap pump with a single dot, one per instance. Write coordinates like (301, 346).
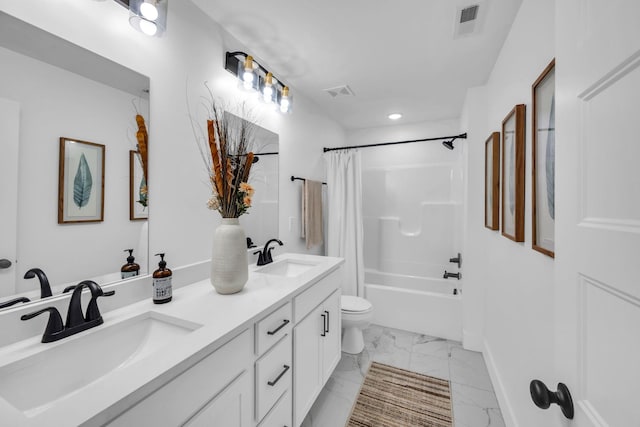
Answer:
(162, 282)
(130, 269)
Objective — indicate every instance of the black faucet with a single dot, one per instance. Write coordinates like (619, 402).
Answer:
(456, 275)
(76, 322)
(45, 288)
(264, 257)
(13, 302)
(74, 314)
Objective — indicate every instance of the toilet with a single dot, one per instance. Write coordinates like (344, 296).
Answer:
(357, 314)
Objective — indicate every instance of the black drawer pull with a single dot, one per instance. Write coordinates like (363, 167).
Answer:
(285, 322)
(284, 371)
(327, 331)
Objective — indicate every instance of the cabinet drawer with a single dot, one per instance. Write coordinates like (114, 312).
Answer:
(273, 376)
(185, 395)
(272, 328)
(309, 299)
(280, 415)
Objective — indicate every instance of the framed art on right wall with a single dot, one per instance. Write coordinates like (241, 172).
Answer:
(513, 137)
(492, 182)
(543, 162)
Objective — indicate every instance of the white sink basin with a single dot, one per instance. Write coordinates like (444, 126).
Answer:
(287, 267)
(33, 383)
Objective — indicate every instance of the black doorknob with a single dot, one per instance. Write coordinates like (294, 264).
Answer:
(543, 397)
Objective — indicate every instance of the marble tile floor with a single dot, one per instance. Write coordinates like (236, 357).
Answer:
(473, 398)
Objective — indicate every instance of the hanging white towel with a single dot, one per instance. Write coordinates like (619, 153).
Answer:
(311, 229)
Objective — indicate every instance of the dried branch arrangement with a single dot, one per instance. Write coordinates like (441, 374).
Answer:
(228, 158)
(143, 139)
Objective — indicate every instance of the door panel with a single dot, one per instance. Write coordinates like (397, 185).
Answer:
(598, 217)
(307, 363)
(333, 338)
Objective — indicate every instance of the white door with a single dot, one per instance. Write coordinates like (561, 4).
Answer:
(307, 363)
(332, 341)
(598, 216)
(231, 408)
(9, 131)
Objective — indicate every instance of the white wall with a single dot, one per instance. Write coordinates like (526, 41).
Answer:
(190, 53)
(512, 282)
(56, 103)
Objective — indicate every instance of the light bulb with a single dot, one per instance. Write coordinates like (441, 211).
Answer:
(267, 90)
(149, 11)
(395, 116)
(267, 93)
(284, 105)
(284, 101)
(247, 77)
(148, 27)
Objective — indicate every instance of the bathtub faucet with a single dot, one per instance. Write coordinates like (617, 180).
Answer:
(448, 275)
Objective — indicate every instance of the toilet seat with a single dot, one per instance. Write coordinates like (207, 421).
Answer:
(353, 304)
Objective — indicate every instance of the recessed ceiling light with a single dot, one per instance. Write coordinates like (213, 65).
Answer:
(395, 116)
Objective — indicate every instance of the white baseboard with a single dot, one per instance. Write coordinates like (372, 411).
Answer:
(501, 394)
(471, 341)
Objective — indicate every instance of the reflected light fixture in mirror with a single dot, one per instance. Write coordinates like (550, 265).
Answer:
(147, 16)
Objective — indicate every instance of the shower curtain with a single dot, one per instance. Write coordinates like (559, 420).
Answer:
(345, 229)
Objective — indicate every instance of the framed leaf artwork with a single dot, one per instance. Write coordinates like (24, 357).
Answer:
(513, 140)
(543, 161)
(80, 182)
(492, 181)
(138, 197)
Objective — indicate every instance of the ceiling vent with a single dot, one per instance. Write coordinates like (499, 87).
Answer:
(469, 14)
(467, 20)
(339, 91)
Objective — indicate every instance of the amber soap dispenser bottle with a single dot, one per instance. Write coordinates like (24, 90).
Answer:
(130, 269)
(162, 282)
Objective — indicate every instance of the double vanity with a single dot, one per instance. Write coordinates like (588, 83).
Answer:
(256, 358)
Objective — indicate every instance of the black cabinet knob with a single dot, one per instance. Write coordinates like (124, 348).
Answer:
(543, 397)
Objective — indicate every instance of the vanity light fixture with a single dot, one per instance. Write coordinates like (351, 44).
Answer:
(254, 77)
(148, 16)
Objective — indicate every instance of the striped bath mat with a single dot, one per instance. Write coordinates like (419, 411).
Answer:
(393, 397)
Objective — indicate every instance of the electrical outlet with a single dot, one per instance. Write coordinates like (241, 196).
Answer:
(292, 221)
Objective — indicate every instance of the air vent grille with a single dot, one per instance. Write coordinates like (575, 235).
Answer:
(335, 92)
(469, 14)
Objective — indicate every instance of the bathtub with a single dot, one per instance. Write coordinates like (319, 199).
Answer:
(418, 304)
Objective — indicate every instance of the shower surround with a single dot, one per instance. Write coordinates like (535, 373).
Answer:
(413, 206)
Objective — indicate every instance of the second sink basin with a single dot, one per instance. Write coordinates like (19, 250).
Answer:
(33, 383)
(287, 267)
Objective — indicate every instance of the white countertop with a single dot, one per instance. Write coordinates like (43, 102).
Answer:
(222, 317)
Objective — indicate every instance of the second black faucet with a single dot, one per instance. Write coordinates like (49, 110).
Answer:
(265, 257)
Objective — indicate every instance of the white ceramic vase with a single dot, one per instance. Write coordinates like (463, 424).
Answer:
(229, 268)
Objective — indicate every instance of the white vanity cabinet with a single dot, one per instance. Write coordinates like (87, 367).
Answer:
(316, 341)
(214, 389)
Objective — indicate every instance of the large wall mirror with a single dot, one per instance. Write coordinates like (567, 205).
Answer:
(52, 89)
(261, 222)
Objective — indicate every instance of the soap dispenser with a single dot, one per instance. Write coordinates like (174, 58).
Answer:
(130, 269)
(162, 282)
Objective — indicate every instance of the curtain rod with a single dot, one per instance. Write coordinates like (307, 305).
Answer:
(461, 136)
(294, 178)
